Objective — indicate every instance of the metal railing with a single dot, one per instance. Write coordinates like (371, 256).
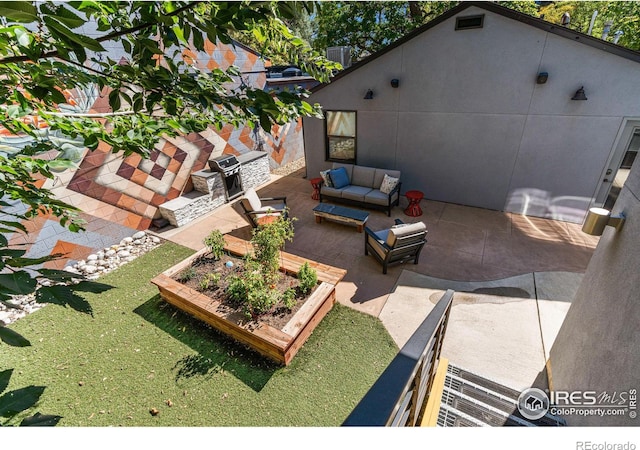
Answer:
(399, 396)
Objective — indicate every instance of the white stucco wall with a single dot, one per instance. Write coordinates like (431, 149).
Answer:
(597, 346)
(468, 124)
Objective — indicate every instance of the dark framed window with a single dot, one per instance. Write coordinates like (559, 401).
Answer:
(340, 132)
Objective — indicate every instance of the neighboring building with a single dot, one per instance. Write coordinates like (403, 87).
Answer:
(483, 113)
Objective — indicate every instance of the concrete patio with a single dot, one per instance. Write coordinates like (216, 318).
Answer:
(514, 276)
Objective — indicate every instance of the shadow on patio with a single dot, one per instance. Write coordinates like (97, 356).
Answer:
(463, 243)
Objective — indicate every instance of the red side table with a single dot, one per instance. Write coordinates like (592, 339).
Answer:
(414, 198)
(316, 183)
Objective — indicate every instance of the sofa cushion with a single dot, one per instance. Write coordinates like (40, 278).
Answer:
(374, 196)
(347, 167)
(339, 177)
(331, 192)
(405, 230)
(363, 176)
(388, 184)
(379, 176)
(356, 193)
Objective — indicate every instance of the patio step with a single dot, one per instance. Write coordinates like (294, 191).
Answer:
(470, 400)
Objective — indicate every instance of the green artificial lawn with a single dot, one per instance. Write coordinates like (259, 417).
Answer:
(137, 353)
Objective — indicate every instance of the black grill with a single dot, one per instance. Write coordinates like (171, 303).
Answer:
(229, 167)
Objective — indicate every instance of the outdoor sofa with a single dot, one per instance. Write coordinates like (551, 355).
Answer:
(368, 187)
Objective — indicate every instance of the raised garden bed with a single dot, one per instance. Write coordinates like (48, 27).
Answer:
(278, 343)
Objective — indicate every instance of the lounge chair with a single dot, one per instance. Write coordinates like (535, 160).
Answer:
(398, 244)
(260, 211)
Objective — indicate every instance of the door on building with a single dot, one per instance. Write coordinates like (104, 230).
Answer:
(623, 158)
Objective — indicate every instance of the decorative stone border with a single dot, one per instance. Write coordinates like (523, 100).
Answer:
(95, 265)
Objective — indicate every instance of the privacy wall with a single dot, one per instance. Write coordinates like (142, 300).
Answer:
(119, 195)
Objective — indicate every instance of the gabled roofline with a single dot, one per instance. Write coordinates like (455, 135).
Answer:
(549, 27)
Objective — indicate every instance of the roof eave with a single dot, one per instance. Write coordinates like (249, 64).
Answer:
(549, 27)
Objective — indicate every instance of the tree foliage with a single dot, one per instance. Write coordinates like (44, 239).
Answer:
(622, 15)
(50, 51)
(367, 27)
(138, 55)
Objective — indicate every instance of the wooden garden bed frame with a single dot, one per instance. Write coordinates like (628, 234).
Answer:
(279, 345)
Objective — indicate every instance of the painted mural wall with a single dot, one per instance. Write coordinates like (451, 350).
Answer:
(120, 195)
(468, 123)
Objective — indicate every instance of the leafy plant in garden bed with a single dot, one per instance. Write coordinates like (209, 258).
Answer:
(253, 284)
(254, 292)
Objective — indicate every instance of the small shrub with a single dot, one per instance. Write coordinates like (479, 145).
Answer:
(288, 298)
(187, 274)
(260, 299)
(214, 278)
(204, 283)
(209, 280)
(237, 290)
(267, 242)
(215, 242)
(308, 278)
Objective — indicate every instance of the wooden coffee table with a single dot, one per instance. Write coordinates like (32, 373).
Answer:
(341, 214)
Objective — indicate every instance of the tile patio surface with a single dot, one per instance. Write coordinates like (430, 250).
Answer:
(467, 249)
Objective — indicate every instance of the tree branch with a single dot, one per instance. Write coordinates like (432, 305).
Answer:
(106, 37)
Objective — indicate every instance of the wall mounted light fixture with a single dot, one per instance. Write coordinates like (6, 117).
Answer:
(395, 83)
(542, 78)
(368, 95)
(579, 95)
(598, 218)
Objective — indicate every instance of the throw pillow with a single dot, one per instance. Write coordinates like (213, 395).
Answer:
(388, 183)
(339, 177)
(326, 178)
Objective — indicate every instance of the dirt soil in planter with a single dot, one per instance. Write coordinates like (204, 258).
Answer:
(278, 317)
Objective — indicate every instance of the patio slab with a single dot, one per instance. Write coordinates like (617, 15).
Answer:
(502, 329)
(514, 276)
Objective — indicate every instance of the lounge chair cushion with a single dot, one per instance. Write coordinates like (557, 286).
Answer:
(377, 243)
(404, 230)
(251, 200)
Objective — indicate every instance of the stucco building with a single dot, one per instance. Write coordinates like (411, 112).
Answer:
(486, 111)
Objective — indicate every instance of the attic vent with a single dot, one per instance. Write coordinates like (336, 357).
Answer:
(467, 22)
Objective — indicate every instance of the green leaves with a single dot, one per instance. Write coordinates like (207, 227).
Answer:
(69, 37)
(41, 420)
(17, 283)
(12, 338)
(14, 402)
(18, 11)
(63, 296)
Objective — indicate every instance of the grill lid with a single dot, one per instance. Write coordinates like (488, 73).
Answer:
(224, 163)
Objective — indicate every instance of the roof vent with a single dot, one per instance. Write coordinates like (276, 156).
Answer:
(468, 22)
